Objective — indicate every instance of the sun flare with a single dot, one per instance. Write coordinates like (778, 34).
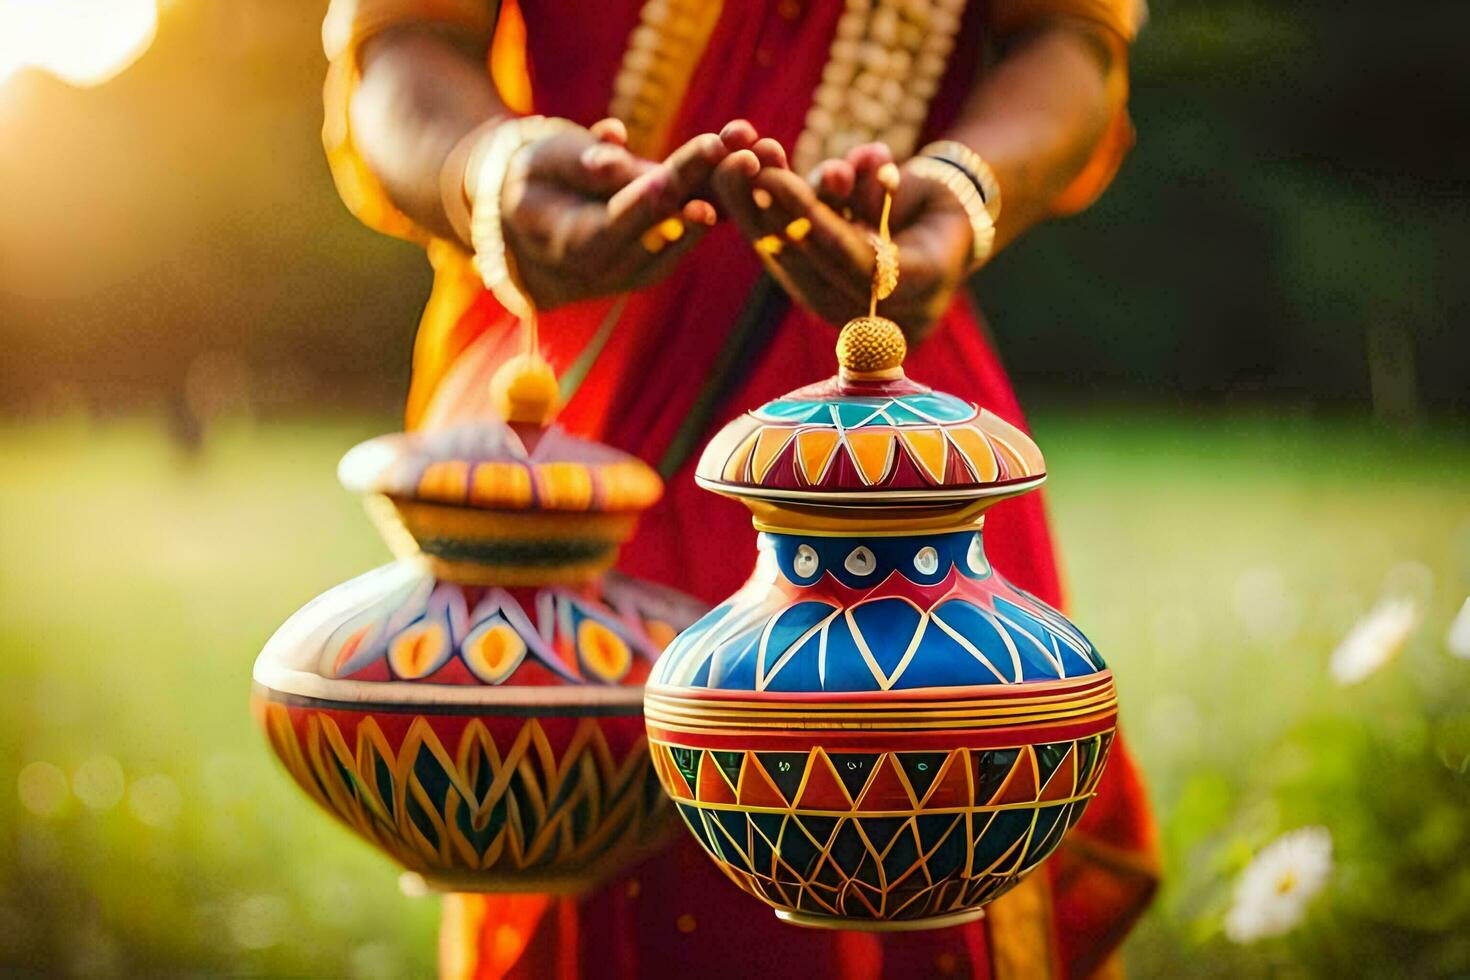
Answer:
(82, 42)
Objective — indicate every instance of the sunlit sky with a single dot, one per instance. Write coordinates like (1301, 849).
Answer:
(82, 42)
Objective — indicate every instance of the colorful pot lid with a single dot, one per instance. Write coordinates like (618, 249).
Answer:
(522, 464)
(870, 436)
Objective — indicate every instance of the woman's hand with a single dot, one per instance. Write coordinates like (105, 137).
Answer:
(578, 208)
(830, 269)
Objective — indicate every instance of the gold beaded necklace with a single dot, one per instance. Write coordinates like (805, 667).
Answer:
(883, 68)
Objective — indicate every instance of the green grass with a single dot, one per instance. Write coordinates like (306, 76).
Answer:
(1215, 561)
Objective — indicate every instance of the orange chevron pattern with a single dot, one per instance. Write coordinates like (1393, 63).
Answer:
(480, 813)
(984, 450)
(881, 836)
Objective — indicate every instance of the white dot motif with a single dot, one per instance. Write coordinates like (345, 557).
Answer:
(806, 562)
(976, 557)
(860, 561)
(926, 562)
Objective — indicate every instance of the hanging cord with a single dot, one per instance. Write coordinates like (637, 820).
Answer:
(885, 253)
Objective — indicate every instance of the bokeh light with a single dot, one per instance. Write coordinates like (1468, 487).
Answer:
(99, 782)
(82, 42)
(155, 800)
(43, 789)
(258, 921)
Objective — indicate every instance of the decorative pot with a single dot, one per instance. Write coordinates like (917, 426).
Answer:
(878, 731)
(474, 708)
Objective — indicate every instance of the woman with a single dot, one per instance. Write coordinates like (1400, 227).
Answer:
(634, 239)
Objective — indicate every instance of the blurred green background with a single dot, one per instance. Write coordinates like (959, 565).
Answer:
(1246, 365)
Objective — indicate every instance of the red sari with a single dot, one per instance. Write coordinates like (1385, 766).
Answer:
(675, 913)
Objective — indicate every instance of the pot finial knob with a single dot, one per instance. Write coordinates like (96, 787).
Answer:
(525, 390)
(871, 348)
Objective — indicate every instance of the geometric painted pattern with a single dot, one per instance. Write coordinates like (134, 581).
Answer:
(882, 835)
(879, 729)
(842, 614)
(831, 440)
(477, 804)
(486, 464)
(487, 737)
(472, 708)
(429, 630)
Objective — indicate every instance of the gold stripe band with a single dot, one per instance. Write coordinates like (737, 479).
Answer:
(911, 725)
(911, 811)
(674, 709)
(1100, 682)
(700, 716)
(894, 701)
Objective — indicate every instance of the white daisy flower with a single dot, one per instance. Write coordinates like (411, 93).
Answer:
(1374, 640)
(1458, 636)
(1272, 893)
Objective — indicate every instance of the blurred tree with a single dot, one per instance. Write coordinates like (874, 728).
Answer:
(1288, 227)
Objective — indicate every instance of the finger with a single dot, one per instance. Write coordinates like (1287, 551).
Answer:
(610, 130)
(869, 156)
(924, 290)
(917, 196)
(694, 215)
(662, 191)
(575, 161)
(832, 282)
(545, 223)
(770, 153)
(867, 194)
(732, 183)
(662, 246)
(556, 158)
(656, 267)
(697, 215)
(809, 286)
(738, 134)
(933, 255)
(836, 247)
(700, 212)
(608, 169)
(833, 181)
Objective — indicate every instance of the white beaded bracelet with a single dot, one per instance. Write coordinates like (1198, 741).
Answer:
(484, 183)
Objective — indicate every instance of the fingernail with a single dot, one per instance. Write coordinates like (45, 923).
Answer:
(658, 187)
(600, 156)
(798, 229)
(700, 212)
(761, 197)
(670, 229)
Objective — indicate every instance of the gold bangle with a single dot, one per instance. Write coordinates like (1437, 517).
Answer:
(484, 183)
(982, 225)
(959, 155)
(457, 165)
